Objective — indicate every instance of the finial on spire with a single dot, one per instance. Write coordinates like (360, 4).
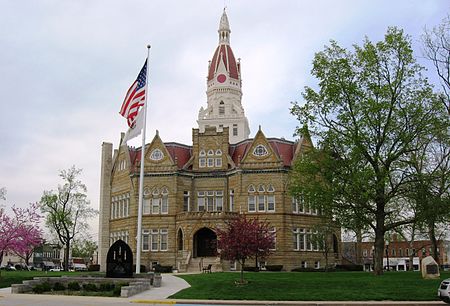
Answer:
(224, 28)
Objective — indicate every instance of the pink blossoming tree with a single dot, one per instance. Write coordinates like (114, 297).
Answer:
(19, 231)
(243, 239)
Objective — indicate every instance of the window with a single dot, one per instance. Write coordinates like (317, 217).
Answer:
(218, 162)
(119, 206)
(300, 207)
(154, 240)
(145, 240)
(210, 201)
(364, 253)
(200, 201)
(155, 206)
(210, 152)
(202, 162)
(156, 155)
(304, 264)
(164, 200)
(218, 152)
(210, 162)
(202, 153)
(219, 200)
(186, 201)
(261, 203)
(146, 207)
(163, 239)
(270, 198)
(221, 108)
(393, 252)
(317, 265)
(235, 130)
(400, 252)
(231, 200)
(260, 150)
(304, 240)
(251, 203)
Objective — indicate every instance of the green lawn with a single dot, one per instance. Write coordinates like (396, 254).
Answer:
(312, 286)
(16, 277)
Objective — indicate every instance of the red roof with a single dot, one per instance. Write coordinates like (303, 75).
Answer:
(228, 59)
(181, 153)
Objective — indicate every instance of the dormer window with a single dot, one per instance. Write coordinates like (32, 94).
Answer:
(156, 155)
(260, 150)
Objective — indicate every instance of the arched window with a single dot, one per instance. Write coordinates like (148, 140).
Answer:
(202, 153)
(218, 152)
(221, 108)
(261, 188)
(180, 240)
(251, 188)
(210, 152)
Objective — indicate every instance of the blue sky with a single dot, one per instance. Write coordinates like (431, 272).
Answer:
(65, 67)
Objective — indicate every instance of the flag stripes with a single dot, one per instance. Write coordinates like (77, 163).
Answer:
(135, 97)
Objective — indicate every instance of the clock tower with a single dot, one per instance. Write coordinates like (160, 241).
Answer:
(224, 90)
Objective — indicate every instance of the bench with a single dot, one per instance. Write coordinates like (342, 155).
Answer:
(207, 269)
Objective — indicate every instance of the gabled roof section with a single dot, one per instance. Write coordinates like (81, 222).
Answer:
(261, 154)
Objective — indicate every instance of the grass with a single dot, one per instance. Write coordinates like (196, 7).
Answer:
(317, 286)
(7, 278)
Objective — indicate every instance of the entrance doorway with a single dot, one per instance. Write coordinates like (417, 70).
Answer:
(205, 243)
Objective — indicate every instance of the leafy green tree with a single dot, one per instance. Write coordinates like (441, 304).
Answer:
(84, 248)
(371, 106)
(68, 209)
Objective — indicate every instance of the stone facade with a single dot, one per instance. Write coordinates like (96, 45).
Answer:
(190, 190)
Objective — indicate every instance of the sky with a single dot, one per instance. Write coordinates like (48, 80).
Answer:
(65, 67)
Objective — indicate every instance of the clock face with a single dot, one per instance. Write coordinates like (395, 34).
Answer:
(221, 78)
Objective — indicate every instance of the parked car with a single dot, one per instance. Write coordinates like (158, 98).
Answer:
(444, 290)
(55, 270)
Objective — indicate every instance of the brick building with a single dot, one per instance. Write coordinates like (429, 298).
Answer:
(398, 254)
(190, 190)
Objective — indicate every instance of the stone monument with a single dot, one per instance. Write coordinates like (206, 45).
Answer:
(430, 268)
(119, 261)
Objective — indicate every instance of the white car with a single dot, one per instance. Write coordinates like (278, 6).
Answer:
(55, 270)
(444, 290)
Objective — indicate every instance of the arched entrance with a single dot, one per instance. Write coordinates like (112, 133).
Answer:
(205, 243)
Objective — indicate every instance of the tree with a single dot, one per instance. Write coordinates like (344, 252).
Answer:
(324, 238)
(67, 210)
(371, 106)
(20, 231)
(437, 49)
(84, 248)
(243, 239)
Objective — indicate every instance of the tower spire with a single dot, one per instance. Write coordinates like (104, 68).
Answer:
(224, 29)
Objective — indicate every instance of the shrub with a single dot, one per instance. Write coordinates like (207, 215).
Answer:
(40, 288)
(94, 268)
(118, 288)
(274, 267)
(143, 268)
(106, 287)
(163, 269)
(308, 270)
(74, 286)
(90, 287)
(251, 269)
(349, 267)
(58, 286)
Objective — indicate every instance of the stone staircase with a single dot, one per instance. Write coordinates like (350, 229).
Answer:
(196, 264)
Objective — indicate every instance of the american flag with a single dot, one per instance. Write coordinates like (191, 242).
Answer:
(135, 97)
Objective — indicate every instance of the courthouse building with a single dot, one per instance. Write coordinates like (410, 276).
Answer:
(192, 189)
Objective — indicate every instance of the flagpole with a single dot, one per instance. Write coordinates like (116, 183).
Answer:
(141, 177)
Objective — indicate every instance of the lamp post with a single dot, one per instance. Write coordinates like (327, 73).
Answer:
(387, 254)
